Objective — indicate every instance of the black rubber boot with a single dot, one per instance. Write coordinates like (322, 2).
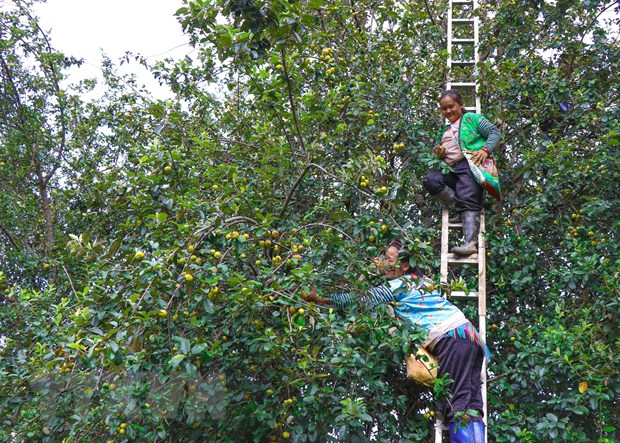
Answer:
(446, 197)
(471, 225)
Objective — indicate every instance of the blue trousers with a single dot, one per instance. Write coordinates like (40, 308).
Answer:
(462, 360)
(467, 192)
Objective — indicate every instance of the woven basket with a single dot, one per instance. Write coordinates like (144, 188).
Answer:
(422, 367)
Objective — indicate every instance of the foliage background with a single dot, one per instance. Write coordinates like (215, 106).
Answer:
(152, 252)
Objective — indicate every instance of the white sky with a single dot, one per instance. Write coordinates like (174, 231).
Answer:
(86, 28)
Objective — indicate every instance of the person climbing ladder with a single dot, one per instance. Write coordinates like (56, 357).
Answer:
(466, 145)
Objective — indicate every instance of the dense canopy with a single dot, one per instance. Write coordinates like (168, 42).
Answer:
(153, 252)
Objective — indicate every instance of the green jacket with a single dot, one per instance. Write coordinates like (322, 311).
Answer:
(475, 133)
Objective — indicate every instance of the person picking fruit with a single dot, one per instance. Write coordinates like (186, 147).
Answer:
(455, 342)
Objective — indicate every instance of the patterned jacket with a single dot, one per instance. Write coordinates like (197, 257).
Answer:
(419, 307)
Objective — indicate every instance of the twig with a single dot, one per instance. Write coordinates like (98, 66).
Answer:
(70, 281)
(301, 176)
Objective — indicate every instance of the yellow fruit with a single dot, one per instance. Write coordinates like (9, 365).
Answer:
(191, 249)
(583, 386)
(188, 277)
(139, 255)
(217, 254)
(384, 228)
(275, 234)
(301, 311)
(269, 391)
(162, 313)
(235, 235)
(123, 425)
(286, 435)
(168, 169)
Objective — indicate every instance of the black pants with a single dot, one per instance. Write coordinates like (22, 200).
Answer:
(467, 192)
(462, 360)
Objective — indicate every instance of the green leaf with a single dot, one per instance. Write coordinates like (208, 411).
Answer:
(176, 360)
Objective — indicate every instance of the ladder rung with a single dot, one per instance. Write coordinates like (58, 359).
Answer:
(463, 84)
(463, 41)
(455, 225)
(462, 62)
(463, 2)
(463, 294)
(453, 258)
(462, 21)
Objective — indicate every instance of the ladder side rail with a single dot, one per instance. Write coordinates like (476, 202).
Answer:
(476, 55)
(482, 310)
(449, 43)
(445, 232)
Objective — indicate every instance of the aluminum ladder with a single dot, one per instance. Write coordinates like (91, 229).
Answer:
(463, 57)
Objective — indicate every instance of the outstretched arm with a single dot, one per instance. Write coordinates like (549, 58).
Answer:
(376, 295)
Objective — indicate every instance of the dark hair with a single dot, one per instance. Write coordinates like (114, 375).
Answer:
(456, 96)
(404, 254)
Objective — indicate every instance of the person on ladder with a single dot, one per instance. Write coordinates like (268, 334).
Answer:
(452, 338)
(466, 146)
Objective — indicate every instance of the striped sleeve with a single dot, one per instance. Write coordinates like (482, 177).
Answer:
(490, 132)
(376, 295)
